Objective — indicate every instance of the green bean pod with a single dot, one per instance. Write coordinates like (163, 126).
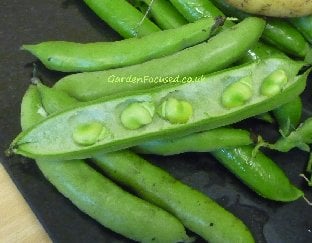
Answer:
(286, 38)
(122, 17)
(99, 197)
(110, 205)
(55, 100)
(76, 57)
(304, 25)
(219, 52)
(158, 117)
(196, 9)
(258, 172)
(164, 14)
(277, 32)
(230, 10)
(288, 116)
(206, 141)
(198, 213)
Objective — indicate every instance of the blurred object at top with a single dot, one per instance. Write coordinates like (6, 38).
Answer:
(277, 8)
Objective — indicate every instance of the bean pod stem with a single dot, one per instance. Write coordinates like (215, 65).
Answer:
(163, 13)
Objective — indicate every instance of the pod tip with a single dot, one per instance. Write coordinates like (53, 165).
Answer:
(25, 47)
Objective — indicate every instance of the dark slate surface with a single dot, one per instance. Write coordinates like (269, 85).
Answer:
(33, 21)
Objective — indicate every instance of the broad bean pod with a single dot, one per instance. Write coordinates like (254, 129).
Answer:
(288, 116)
(258, 172)
(277, 32)
(122, 17)
(110, 205)
(197, 212)
(55, 100)
(198, 9)
(219, 52)
(304, 25)
(205, 141)
(76, 57)
(129, 119)
(99, 197)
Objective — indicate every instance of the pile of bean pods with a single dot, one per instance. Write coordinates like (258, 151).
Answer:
(177, 82)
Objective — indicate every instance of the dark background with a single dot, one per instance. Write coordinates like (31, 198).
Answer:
(33, 21)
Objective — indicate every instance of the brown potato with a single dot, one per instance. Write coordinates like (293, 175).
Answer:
(276, 8)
